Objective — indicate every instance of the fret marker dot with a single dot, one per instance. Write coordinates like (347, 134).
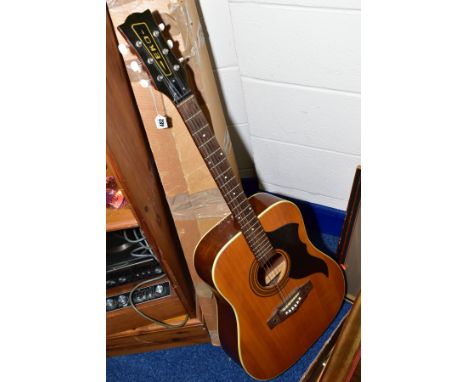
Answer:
(209, 162)
(252, 229)
(203, 135)
(221, 154)
(225, 177)
(233, 193)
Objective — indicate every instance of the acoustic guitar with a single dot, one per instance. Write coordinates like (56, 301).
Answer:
(276, 292)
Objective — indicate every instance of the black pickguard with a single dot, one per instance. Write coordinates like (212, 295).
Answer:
(302, 263)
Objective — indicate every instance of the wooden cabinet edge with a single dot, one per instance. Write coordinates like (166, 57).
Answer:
(134, 167)
(117, 219)
(153, 337)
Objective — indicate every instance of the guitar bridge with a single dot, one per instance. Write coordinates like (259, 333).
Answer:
(291, 305)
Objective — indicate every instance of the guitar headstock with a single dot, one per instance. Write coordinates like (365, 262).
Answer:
(166, 72)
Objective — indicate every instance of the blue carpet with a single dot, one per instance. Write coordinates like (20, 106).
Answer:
(201, 363)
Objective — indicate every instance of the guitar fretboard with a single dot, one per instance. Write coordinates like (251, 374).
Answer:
(218, 164)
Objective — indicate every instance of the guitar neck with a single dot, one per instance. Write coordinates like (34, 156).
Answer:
(230, 188)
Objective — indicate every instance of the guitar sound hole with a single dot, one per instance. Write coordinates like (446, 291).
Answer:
(273, 271)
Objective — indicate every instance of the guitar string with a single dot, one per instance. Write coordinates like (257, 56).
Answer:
(212, 146)
(263, 239)
(155, 103)
(217, 174)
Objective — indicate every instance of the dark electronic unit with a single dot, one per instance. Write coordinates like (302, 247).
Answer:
(129, 258)
(140, 295)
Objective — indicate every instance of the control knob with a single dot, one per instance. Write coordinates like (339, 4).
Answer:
(140, 297)
(122, 300)
(111, 304)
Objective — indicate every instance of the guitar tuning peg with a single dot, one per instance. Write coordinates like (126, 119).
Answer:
(161, 27)
(135, 66)
(123, 49)
(144, 83)
(170, 44)
(181, 59)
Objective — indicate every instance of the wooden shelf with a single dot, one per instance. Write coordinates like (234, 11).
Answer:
(154, 337)
(120, 219)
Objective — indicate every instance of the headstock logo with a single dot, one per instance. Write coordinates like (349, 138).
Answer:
(144, 34)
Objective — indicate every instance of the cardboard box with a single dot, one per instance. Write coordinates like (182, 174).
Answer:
(194, 199)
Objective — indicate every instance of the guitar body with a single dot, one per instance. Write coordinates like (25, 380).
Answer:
(247, 304)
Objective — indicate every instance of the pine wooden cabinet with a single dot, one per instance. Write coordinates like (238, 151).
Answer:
(130, 158)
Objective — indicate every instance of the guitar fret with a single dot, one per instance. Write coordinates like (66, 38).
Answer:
(261, 237)
(225, 171)
(248, 207)
(203, 144)
(264, 244)
(235, 197)
(200, 129)
(236, 186)
(258, 232)
(239, 205)
(192, 116)
(253, 238)
(224, 159)
(252, 218)
(267, 249)
(185, 100)
(262, 252)
(249, 215)
(231, 179)
(265, 252)
(264, 257)
(214, 152)
(246, 215)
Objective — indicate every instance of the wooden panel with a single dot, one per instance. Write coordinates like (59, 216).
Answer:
(126, 318)
(122, 218)
(316, 368)
(347, 351)
(135, 170)
(153, 337)
(349, 246)
(351, 212)
(353, 260)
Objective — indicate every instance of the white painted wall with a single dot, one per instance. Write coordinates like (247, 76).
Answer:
(289, 73)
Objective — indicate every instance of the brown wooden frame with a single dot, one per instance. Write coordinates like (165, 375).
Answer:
(133, 163)
(339, 359)
(346, 355)
(154, 337)
(351, 212)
